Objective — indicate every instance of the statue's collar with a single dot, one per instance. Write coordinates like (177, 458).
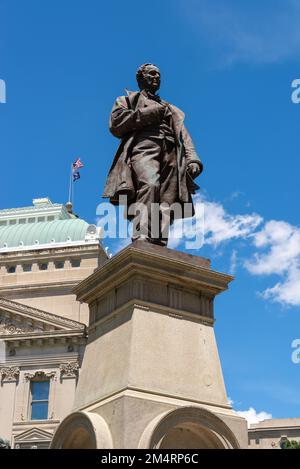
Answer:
(149, 95)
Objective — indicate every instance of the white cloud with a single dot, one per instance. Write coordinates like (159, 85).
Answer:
(252, 416)
(233, 262)
(217, 224)
(221, 226)
(235, 195)
(247, 32)
(286, 292)
(230, 401)
(283, 242)
(282, 257)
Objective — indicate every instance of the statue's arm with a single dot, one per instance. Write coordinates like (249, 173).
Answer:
(124, 121)
(190, 151)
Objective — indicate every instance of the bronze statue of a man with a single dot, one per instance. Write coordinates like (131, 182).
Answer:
(156, 162)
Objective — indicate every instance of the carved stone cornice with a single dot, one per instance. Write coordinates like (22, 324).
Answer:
(40, 375)
(9, 326)
(37, 314)
(182, 274)
(9, 374)
(69, 370)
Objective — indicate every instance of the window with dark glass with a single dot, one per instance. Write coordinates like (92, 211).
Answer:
(39, 399)
(59, 264)
(75, 262)
(27, 267)
(43, 266)
(11, 269)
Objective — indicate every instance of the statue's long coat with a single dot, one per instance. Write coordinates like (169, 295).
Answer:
(129, 115)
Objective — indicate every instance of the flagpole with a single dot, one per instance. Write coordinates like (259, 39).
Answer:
(70, 185)
(73, 191)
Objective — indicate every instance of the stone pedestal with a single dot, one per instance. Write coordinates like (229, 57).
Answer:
(151, 375)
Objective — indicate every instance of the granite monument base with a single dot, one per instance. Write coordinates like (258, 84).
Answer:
(151, 375)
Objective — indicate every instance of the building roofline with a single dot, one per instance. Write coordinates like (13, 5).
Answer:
(47, 246)
(275, 424)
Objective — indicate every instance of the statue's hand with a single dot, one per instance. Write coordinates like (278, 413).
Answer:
(194, 170)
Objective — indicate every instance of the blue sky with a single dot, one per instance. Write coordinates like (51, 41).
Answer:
(229, 65)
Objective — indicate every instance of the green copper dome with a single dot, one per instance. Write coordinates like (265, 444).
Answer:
(52, 232)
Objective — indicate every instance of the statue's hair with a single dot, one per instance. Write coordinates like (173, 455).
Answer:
(140, 73)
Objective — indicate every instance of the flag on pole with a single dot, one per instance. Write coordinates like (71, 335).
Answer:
(76, 175)
(75, 167)
(77, 164)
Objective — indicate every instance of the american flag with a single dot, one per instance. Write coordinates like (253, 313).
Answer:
(77, 164)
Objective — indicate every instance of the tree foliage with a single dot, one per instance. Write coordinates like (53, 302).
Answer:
(293, 444)
(4, 444)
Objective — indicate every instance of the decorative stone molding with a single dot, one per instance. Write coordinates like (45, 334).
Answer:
(40, 375)
(33, 438)
(175, 296)
(9, 374)
(8, 326)
(37, 314)
(69, 370)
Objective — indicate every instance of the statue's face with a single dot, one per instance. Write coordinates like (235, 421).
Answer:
(151, 78)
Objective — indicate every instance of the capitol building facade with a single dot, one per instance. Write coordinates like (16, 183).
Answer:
(45, 251)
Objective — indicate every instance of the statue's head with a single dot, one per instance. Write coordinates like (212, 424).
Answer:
(148, 77)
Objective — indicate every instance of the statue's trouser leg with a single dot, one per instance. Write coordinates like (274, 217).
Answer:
(168, 187)
(155, 172)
